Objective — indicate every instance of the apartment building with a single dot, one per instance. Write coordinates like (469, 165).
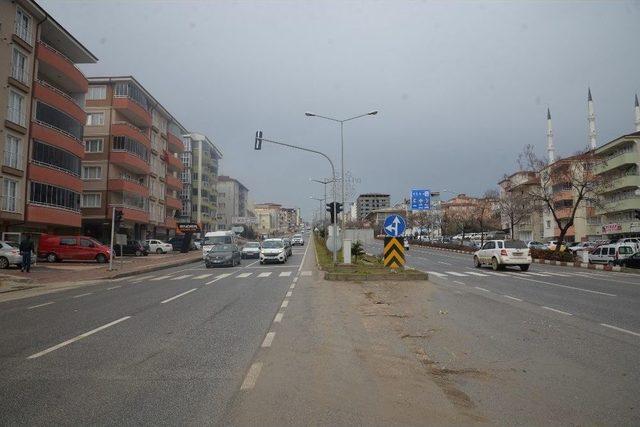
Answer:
(289, 219)
(528, 219)
(42, 124)
(199, 196)
(132, 144)
(268, 216)
(366, 203)
(232, 201)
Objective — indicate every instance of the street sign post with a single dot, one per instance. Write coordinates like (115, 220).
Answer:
(394, 226)
(394, 252)
(420, 200)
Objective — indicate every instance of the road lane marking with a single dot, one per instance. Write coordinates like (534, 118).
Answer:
(285, 274)
(436, 274)
(563, 286)
(160, 278)
(445, 263)
(493, 273)
(184, 276)
(139, 279)
(303, 258)
(529, 273)
(556, 274)
(307, 273)
(82, 295)
(178, 296)
(79, 337)
(243, 275)
(459, 283)
(295, 279)
(278, 318)
(482, 289)
(265, 274)
(252, 376)
(285, 303)
(454, 273)
(473, 273)
(268, 339)
(293, 285)
(620, 329)
(556, 310)
(202, 276)
(289, 294)
(114, 287)
(220, 276)
(41, 305)
(513, 298)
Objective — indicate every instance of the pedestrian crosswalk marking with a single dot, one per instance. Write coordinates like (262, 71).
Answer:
(202, 276)
(306, 273)
(161, 278)
(265, 274)
(557, 274)
(243, 275)
(184, 276)
(285, 274)
(473, 273)
(454, 273)
(529, 273)
(436, 274)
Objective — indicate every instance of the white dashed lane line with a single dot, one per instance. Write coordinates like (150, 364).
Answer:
(289, 294)
(202, 276)
(40, 305)
(278, 318)
(82, 295)
(557, 311)
(620, 329)
(114, 287)
(178, 296)
(265, 274)
(455, 273)
(268, 339)
(243, 275)
(252, 376)
(512, 298)
(285, 303)
(482, 289)
(285, 274)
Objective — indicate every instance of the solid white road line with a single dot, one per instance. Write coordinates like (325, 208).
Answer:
(278, 318)
(82, 295)
(178, 296)
(303, 258)
(114, 287)
(562, 286)
(289, 294)
(184, 276)
(243, 275)
(445, 263)
(529, 273)
(557, 311)
(143, 278)
(473, 273)
(160, 278)
(482, 289)
(436, 274)
(513, 298)
(458, 282)
(252, 376)
(285, 274)
(454, 273)
(265, 274)
(79, 337)
(41, 305)
(268, 339)
(306, 273)
(553, 273)
(202, 276)
(221, 276)
(285, 303)
(620, 329)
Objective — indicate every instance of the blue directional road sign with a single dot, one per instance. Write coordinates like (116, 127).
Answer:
(420, 200)
(394, 225)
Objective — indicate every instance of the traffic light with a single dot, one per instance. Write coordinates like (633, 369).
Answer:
(118, 216)
(330, 210)
(338, 207)
(637, 213)
(258, 143)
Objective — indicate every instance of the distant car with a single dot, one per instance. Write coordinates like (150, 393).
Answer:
(9, 255)
(553, 243)
(273, 250)
(197, 243)
(250, 250)
(582, 246)
(633, 241)
(610, 254)
(133, 247)
(158, 246)
(537, 245)
(288, 246)
(500, 253)
(631, 262)
(297, 239)
(176, 243)
(223, 254)
(406, 243)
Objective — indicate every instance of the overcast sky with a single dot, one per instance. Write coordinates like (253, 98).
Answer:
(461, 87)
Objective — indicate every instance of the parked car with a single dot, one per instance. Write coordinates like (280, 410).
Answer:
(288, 246)
(631, 262)
(500, 253)
(633, 241)
(133, 247)
(197, 243)
(553, 243)
(223, 254)
(158, 246)
(77, 248)
(582, 246)
(537, 245)
(273, 250)
(297, 239)
(9, 255)
(176, 243)
(251, 250)
(609, 254)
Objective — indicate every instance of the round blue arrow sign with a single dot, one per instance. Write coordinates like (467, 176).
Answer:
(394, 226)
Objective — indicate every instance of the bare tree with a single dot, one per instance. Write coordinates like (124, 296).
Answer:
(514, 207)
(423, 219)
(459, 221)
(486, 213)
(575, 174)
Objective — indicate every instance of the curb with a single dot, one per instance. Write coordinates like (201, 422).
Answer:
(579, 264)
(351, 277)
(153, 268)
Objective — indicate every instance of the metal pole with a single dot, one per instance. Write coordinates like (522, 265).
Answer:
(342, 161)
(324, 208)
(113, 225)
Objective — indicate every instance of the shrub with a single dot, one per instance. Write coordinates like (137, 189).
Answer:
(566, 256)
(357, 250)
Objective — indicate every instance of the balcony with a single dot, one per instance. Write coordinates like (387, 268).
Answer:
(130, 161)
(173, 162)
(628, 181)
(126, 129)
(128, 186)
(53, 136)
(172, 202)
(132, 111)
(54, 176)
(173, 182)
(131, 215)
(174, 143)
(58, 99)
(619, 205)
(628, 158)
(60, 69)
(42, 214)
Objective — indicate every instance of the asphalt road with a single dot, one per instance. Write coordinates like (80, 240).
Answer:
(166, 348)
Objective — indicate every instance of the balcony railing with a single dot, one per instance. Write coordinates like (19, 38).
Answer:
(13, 159)
(57, 129)
(57, 52)
(11, 204)
(24, 32)
(16, 116)
(59, 92)
(21, 75)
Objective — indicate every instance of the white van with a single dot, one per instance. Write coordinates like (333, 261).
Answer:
(213, 238)
(606, 254)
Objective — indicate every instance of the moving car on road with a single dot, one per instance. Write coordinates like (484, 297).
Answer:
(158, 246)
(9, 255)
(500, 253)
(223, 254)
(213, 238)
(297, 239)
(273, 250)
(251, 250)
(288, 246)
(76, 248)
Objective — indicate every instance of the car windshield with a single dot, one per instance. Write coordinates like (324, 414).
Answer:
(272, 244)
(216, 240)
(222, 248)
(514, 244)
(252, 245)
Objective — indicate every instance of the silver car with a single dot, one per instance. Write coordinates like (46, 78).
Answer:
(9, 255)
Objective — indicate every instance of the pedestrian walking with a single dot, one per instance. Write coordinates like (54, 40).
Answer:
(26, 248)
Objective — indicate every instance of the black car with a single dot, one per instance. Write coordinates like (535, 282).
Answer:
(176, 243)
(631, 262)
(133, 247)
(224, 254)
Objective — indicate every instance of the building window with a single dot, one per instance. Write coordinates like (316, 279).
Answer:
(97, 92)
(58, 120)
(91, 172)
(10, 195)
(124, 143)
(93, 145)
(50, 195)
(15, 109)
(20, 66)
(91, 200)
(95, 119)
(23, 25)
(132, 91)
(13, 152)
(55, 157)
(548, 224)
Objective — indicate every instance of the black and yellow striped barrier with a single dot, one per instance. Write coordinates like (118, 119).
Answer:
(394, 252)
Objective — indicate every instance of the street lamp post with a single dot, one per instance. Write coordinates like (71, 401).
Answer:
(324, 183)
(342, 122)
(322, 202)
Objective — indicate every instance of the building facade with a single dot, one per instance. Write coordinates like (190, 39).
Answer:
(42, 124)
(131, 161)
(199, 195)
(366, 203)
(268, 217)
(232, 201)
(289, 219)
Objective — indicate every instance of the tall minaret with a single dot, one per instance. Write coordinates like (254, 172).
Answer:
(637, 114)
(592, 121)
(551, 152)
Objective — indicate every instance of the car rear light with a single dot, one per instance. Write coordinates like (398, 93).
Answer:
(503, 252)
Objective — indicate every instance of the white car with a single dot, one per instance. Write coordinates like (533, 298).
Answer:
(158, 246)
(273, 250)
(9, 255)
(500, 253)
(250, 250)
(297, 239)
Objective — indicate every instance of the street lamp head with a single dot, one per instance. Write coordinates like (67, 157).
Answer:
(309, 114)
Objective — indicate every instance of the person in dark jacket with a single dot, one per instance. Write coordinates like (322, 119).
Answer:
(26, 248)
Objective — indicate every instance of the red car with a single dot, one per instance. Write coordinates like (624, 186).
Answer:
(77, 248)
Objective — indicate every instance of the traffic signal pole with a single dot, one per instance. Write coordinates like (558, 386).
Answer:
(113, 226)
